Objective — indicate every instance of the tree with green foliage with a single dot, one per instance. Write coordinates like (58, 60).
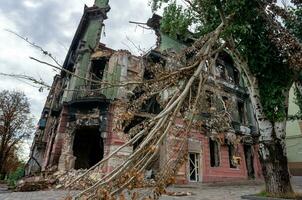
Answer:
(264, 40)
(14, 176)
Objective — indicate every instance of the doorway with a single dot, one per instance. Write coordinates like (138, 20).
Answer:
(88, 148)
(194, 167)
(249, 161)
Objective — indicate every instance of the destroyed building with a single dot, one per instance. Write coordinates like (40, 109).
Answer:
(80, 124)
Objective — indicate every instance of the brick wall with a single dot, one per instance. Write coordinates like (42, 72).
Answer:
(197, 143)
(59, 139)
(215, 174)
(114, 139)
(224, 171)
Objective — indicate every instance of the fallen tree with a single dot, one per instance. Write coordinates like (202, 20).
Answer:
(267, 55)
(186, 84)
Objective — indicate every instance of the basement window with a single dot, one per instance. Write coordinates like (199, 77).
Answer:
(231, 156)
(214, 153)
(194, 167)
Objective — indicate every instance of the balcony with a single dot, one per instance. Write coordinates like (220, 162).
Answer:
(85, 94)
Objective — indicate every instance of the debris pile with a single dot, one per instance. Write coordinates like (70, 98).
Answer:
(64, 178)
(35, 183)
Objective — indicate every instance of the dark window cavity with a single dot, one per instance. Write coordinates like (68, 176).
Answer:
(214, 153)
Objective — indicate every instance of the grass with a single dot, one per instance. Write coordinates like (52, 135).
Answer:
(293, 195)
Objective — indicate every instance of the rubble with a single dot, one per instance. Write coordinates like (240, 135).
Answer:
(121, 113)
(35, 184)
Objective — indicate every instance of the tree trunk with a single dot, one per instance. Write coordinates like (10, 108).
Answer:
(274, 160)
(272, 148)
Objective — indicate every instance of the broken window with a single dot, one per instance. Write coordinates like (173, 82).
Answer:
(148, 73)
(97, 70)
(42, 123)
(214, 153)
(43, 120)
(249, 161)
(151, 106)
(194, 167)
(220, 71)
(226, 102)
(231, 149)
(236, 77)
(45, 115)
(241, 112)
(134, 122)
(209, 100)
(206, 66)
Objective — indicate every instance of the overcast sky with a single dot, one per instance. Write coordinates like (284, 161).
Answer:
(52, 24)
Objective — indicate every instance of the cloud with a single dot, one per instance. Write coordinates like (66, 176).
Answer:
(52, 24)
(118, 28)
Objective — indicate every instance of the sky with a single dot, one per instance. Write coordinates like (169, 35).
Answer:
(52, 24)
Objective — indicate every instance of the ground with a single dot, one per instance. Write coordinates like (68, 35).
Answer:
(228, 191)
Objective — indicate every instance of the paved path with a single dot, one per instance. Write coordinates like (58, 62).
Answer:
(199, 192)
(297, 180)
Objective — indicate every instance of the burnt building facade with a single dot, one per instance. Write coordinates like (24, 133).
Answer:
(80, 123)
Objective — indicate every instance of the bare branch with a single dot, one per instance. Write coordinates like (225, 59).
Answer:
(45, 52)
(26, 77)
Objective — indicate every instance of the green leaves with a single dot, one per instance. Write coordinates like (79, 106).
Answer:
(176, 21)
(253, 38)
(156, 4)
(294, 23)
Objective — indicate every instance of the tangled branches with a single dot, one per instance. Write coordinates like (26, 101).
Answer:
(181, 102)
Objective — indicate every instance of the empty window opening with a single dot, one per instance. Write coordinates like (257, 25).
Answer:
(88, 148)
(45, 114)
(249, 161)
(135, 122)
(137, 92)
(194, 167)
(97, 70)
(209, 100)
(206, 66)
(214, 153)
(231, 156)
(226, 103)
(220, 71)
(149, 74)
(128, 125)
(236, 77)
(241, 111)
(151, 106)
